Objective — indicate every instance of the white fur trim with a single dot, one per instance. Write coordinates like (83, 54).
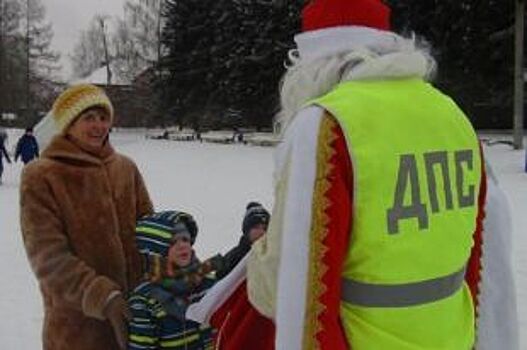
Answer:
(498, 319)
(394, 65)
(45, 130)
(203, 310)
(328, 57)
(327, 42)
(294, 255)
(300, 148)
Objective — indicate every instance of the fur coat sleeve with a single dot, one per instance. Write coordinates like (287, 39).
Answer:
(143, 203)
(56, 267)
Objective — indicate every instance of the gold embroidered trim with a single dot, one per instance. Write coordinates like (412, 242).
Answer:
(319, 231)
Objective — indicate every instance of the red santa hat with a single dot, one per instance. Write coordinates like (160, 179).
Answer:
(320, 14)
(333, 26)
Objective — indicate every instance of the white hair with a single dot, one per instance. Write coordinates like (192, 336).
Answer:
(307, 79)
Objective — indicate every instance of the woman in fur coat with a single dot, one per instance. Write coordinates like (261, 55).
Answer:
(79, 204)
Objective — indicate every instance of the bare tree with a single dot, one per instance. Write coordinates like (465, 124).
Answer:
(128, 59)
(89, 53)
(10, 55)
(102, 23)
(43, 60)
(137, 38)
(27, 61)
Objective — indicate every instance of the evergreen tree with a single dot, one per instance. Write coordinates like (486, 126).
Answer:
(188, 38)
(251, 65)
(228, 54)
(473, 44)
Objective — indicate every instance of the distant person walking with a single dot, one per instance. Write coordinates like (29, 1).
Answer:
(3, 153)
(27, 147)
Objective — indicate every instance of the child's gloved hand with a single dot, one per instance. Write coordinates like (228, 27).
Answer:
(214, 264)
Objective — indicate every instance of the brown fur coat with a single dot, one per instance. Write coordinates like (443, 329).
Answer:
(78, 214)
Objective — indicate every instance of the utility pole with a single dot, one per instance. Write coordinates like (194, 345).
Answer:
(519, 79)
(28, 66)
(2, 76)
(160, 100)
(159, 13)
(106, 56)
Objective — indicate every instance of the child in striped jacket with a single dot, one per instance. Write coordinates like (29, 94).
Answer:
(173, 279)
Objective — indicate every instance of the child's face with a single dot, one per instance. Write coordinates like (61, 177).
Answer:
(257, 231)
(180, 252)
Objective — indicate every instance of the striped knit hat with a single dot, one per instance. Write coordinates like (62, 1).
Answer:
(154, 232)
(255, 214)
(68, 106)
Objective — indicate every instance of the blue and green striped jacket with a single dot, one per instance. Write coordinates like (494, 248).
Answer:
(158, 319)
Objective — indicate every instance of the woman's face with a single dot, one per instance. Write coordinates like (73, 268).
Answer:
(91, 127)
(180, 252)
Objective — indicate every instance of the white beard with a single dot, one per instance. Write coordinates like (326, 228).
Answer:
(305, 81)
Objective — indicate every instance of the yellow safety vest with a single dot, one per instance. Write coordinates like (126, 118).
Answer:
(417, 172)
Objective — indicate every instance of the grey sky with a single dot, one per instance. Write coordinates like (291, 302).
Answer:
(69, 17)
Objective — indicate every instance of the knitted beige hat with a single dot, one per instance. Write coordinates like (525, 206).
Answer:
(68, 106)
(76, 99)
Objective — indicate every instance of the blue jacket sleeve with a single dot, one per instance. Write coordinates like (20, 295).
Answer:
(142, 328)
(233, 257)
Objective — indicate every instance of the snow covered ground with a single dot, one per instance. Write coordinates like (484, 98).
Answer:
(213, 182)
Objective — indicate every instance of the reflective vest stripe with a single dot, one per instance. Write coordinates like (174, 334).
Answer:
(401, 295)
